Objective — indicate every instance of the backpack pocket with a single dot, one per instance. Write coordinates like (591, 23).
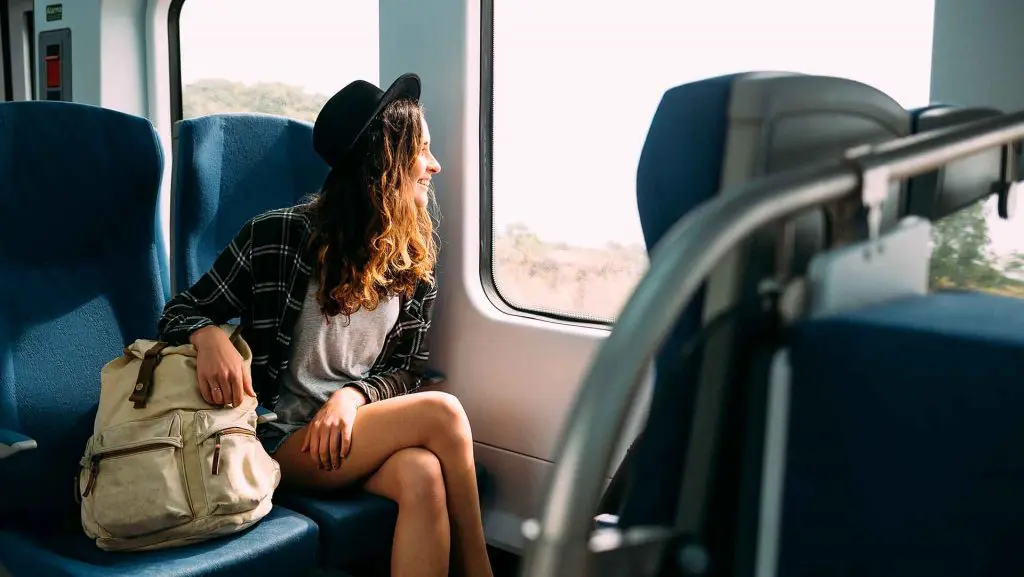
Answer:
(238, 474)
(132, 481)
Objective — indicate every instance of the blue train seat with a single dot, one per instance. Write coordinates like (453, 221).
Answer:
(904, 418)
(706, 136)
(82, 273)
(905, 433)
(229, 168)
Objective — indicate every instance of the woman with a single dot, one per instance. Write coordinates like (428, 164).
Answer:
(336, 298)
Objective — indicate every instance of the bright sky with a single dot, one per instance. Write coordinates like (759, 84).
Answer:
(577, 81)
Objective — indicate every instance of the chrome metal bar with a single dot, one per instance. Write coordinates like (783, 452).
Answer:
(911, 156)
(679, 264)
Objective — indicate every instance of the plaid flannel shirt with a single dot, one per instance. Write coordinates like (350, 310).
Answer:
(262, 277)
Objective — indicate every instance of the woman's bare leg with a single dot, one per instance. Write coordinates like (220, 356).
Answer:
(412, 478)
(431, 420)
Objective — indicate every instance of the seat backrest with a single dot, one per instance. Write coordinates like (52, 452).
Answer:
(229, 168)
(82, 274)
(905, 413)
(904, 443)
(707, 136)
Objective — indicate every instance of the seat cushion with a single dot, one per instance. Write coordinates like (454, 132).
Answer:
(282, 544)
(905, 440)
(356, 526)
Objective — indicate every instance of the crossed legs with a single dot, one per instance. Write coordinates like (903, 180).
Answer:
(416, 450)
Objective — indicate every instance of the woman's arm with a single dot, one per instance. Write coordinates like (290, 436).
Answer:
(220, 295)
(403, 371)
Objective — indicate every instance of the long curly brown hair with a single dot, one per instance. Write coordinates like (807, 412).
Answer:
(370, 239)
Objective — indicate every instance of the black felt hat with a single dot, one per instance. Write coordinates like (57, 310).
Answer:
(347, 114)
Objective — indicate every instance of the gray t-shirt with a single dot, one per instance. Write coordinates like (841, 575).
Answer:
(327, 355)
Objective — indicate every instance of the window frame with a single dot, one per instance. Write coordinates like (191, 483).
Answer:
(174, 54)
(487, 274)
(6, 64)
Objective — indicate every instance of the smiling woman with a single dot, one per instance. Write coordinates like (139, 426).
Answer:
(355, 269)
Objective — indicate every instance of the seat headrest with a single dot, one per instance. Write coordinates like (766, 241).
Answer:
(960, 183)
(228, 169)
(75, 178)
(719, 132)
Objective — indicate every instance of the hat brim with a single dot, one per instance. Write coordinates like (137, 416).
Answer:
(405, 86)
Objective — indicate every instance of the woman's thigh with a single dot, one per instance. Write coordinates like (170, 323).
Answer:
(380, 430)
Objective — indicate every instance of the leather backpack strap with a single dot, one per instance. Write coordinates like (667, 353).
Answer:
(235, 335)
(144, 384)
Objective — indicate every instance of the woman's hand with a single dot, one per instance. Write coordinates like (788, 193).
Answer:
(221, 372)
(329, 435)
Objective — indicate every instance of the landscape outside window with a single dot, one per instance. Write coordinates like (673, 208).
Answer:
(569, 242)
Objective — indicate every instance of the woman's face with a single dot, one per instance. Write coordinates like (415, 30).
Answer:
(424, 167)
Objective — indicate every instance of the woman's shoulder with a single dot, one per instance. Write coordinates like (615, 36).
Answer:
(282, 220)
(425, 292)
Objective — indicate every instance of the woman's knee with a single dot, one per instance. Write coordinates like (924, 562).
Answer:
(416, 478)
(446, 417)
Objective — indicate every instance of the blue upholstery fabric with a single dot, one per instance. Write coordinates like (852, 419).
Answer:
(82, 273)
(282, 544)
(10, 438)
(905, 440)
(680, 167)
(228, 169)
(354, 527)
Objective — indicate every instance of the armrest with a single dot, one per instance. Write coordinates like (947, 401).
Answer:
(264, 416)
(12, 442)
(433, 377)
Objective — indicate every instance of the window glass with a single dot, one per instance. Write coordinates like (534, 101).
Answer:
(274, 57)
(576, 84)
(973, 249)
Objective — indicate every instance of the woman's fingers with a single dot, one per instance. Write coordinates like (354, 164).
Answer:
(217, 389)
(314, 443)
(204, 390)
(325, 446)
(336, 445)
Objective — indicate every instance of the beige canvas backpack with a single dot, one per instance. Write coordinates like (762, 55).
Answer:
(163, 468)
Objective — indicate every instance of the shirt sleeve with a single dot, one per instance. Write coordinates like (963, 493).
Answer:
(223, 293)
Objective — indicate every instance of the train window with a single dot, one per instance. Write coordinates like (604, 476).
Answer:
(575, 84)
(256, 56)
(974, 249)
